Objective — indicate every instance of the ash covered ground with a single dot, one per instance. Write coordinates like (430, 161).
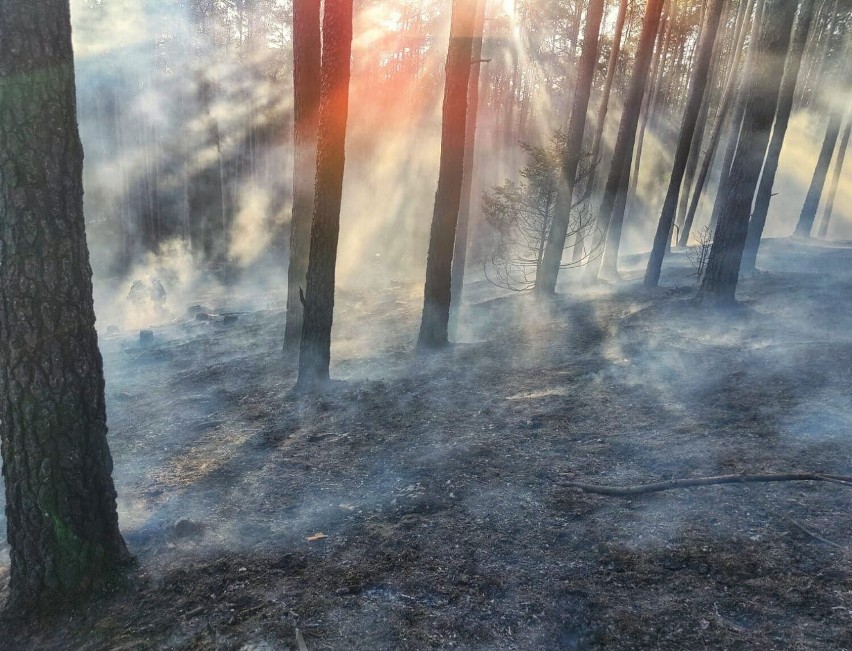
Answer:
(438, 482)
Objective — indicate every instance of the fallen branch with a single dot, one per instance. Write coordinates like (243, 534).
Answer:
(673, 484)
(812, 534)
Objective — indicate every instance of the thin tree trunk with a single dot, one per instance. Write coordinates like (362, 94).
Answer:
(723, 266)
(812, 199)
(687, 131)
(745, 84)
(779, 131)
(713, 144)
(437, 291)
(307, 53)
(816, 51)
(692, 163)
(603, 109)
(649, 107)
(626, 136)
(824, 61)
(663, 51)
(60, 499)
(549, 269)
(460, 246)
(701, 123)
(315, 345)
(835, 179)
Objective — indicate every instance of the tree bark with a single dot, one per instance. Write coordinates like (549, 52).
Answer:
(741, 97)
(812, 199)
(663, 52)
(687, 132)
(626, 137)
(701, 122)
(549, 268)
(835, 179)
(723, 266)
(315, 346)
(307, 53)
(437, 291)
(603, 109)
(60, 499)
(652, 93)
(460, 245)
(728, 96)
(779, 131)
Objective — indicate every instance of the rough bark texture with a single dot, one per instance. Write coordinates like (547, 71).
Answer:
(307, 53)
(436, 300)
(809, 210)
(607, 217)
(723, 266)
(722, 113)
(460, 246)
(779, 132)
(60, 500)
(835, 179)
(315, 346)
(552, 259)
(687, 132)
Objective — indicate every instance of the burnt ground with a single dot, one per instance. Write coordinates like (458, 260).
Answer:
(439, 481)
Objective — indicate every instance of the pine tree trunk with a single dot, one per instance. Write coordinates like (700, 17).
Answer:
(722, 113)
(549, 269)
(687, 132)
(626, 135)
(816, 52)
(611, 68)
(649, 107)
(835, 179)
(307, 53)
(60, 499)
(830, 56)
(460, 245)
(723, 266)
(436, 300)
(663, 51)
(315, 345)
(779, 131)
(745, 83)
(692, 163)
(603, 109)
(812, 199)
(701, 122)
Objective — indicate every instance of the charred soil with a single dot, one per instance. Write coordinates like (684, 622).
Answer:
(420, 501)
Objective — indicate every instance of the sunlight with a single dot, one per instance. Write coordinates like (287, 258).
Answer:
(359, 324)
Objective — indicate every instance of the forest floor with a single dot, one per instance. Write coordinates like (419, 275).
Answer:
(438, 481)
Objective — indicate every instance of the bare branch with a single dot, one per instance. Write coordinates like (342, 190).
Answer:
(673, 484)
